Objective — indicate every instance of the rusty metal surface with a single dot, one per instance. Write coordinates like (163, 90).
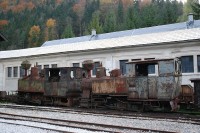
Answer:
(142, 87)
(130, 68)
(166, 68)
(152, 85)
(196, 92)
(166, 87)
(29, 85)
(110, 85)
(62, 82)
(101, 72)
(115, 73)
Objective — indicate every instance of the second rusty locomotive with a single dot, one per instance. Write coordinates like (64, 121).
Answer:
(138, 90)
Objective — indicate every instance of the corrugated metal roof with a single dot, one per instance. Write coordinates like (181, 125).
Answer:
(137, 40)
(147, 30)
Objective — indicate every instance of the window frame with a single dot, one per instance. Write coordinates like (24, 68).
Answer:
(122, 66)
(9, 72)
(198, 63)
(185, 65)
(15, 71)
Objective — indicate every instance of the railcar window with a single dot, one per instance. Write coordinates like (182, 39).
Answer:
(151, 69)
(141, 70)
(9, 71)
(187, 64)
(15, 71)
(54, 75)
(198, 63)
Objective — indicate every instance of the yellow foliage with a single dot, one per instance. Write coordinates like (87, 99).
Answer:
(4, 5)
(51, 23)
(34, 31)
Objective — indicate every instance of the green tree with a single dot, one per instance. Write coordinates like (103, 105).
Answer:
(110, 22)
(196, 9)
(95, 24)
(187, 8)
(68, 32)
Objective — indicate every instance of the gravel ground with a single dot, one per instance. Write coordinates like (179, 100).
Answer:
(159, 124)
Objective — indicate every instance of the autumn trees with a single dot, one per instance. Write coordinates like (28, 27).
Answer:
(31, 23)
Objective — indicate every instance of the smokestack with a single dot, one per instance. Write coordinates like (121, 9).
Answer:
(190, 17)
(190, 21)
(94, 33)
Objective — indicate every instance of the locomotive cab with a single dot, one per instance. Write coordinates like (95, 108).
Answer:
(154, 83)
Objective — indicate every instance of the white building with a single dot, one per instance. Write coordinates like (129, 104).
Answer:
(112, 49)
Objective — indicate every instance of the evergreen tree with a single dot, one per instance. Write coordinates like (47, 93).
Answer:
(110, 22)
(95, 24)
(68, 32)
(196, 9)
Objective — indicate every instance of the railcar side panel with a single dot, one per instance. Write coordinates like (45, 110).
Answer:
(113, 85)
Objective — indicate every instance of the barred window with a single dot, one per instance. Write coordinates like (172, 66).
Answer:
(9, 71)
(187, 64)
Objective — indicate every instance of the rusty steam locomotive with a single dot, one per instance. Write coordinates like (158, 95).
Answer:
(137, 90)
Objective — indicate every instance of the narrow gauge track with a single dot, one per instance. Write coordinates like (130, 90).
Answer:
(172, 117)
(77, 124)
(37, 127)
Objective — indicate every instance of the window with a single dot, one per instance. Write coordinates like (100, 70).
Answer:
(15, 71)
(9, 70)
(46, 66)
(151, 69)
(22, 72)
(53, 65)
(123, 66)
(187, 64)
(75, 65)
(96, 64)
(198, 63)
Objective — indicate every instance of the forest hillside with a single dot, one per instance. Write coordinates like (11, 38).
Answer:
(29, 23)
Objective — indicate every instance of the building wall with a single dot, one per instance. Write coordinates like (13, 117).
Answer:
(108, 57)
